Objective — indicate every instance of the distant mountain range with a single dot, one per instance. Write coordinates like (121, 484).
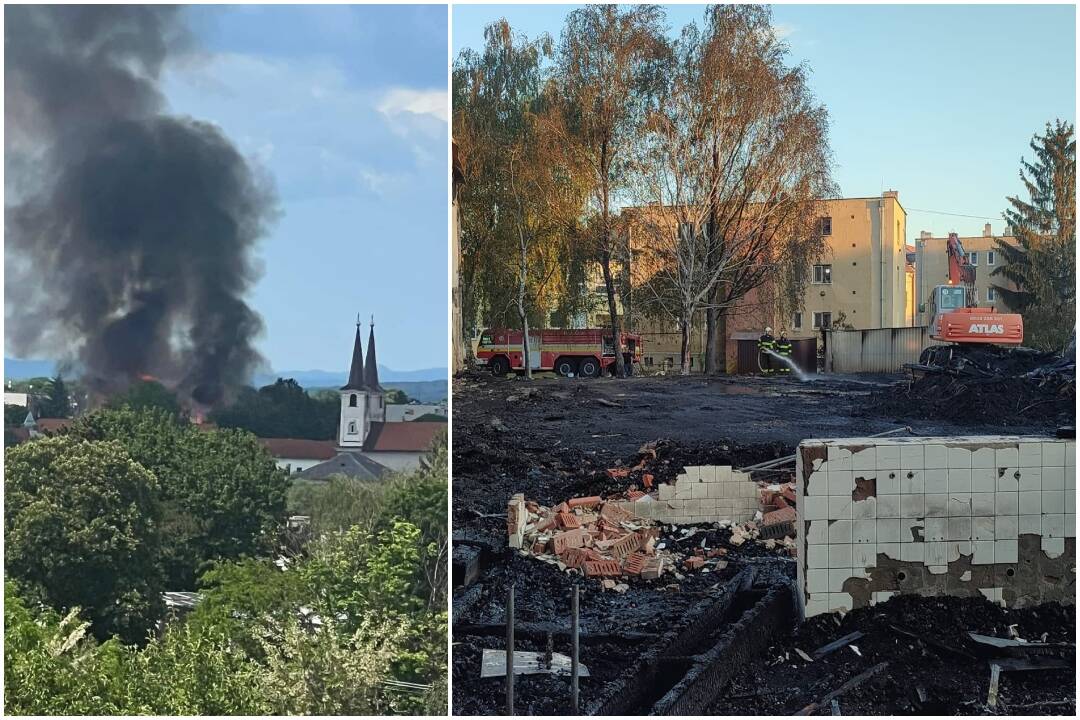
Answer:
(22, 369)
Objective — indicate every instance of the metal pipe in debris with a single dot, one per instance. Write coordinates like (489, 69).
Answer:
(510, 652)
(791, 458)
(574, 651)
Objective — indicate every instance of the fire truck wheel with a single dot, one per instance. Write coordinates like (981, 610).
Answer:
(499, 366)
(565, 366)
(589, 368)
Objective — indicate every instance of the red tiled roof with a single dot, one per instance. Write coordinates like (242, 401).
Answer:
(51, 425)
(299, 448)
(415, 436)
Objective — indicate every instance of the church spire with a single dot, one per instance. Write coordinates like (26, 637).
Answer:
(356, 370)
(371, 378)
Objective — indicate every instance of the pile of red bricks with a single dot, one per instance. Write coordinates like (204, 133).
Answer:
(589, 535)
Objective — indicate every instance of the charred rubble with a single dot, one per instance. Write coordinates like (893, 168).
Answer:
(990, 386)
(717, 630)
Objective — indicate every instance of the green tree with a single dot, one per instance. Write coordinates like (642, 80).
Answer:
(396, 397)
(57, 402)
(52, 667)
(81, 530)
(14, 415)
(223, 496)
(147, 395)
(283, 409)
(337, 503)
(420, 499)
(1043, 264)
(609, 61)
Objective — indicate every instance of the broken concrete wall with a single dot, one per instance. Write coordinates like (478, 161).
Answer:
(711, 493)
(932, 516)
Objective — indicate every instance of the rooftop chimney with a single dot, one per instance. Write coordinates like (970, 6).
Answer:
(891, 194)
(986, 230)
(925, 234)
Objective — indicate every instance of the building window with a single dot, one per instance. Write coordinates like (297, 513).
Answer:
(352, 427)
(973, 258)
(823, 274)
(352, 400)
(990, 259)
(796, 321)
(648, 361)
(825, 225)
(990, 294)
(822, 320)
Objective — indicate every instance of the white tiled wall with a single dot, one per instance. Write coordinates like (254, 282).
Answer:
(709, 493)
(936, 499)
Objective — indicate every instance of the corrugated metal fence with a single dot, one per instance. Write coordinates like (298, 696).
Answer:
(883, 350)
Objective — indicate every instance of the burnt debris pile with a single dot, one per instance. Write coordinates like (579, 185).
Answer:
(129, 229)
(986, 386)
(917, 655)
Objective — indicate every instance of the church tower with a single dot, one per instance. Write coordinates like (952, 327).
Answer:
(376, 395)
(353, 424)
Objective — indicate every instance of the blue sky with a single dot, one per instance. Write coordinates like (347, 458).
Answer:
(345, 107)
(937, 102)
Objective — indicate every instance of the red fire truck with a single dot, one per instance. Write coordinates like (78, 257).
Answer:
(568, 352)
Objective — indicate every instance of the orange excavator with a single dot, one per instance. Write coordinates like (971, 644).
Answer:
(956, 319)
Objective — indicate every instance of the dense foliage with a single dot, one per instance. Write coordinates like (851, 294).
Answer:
(281, 410)
(353, 622)
(81, 528)
(57, 400)
(147, 395)
(221, 494)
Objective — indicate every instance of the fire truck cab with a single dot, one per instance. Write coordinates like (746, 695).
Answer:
(586, 352)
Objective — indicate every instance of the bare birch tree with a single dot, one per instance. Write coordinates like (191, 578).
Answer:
(608, 59)
(768, 161)
(731, 163)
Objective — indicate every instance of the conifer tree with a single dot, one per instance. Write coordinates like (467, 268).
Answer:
(1042, 265)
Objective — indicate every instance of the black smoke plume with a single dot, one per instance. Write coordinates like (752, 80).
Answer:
(129, 230)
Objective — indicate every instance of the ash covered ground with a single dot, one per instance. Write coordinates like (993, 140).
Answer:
(555, 438)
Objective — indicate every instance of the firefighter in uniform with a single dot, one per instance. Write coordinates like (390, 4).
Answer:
(766, 343)
(783, 347)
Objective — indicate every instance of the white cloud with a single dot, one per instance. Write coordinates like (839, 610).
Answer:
(782, 31)
(415, 102)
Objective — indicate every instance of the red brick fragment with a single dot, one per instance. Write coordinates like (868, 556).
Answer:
(694, 562)
(789, 495)
(545, 524)
(568, 521)
(783, 515)
(647, 480)
(625, 546)
(539, 548)
(616, 473)
(577, 502)
(575, 557)
(561, 507)
(634, 494)
(716, 552)
(569, 539)
(780, 502)
(634, 564)
(602, 568)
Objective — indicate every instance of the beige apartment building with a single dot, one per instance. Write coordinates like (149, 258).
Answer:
(862, 280)
(868, 278)
(932, 263)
